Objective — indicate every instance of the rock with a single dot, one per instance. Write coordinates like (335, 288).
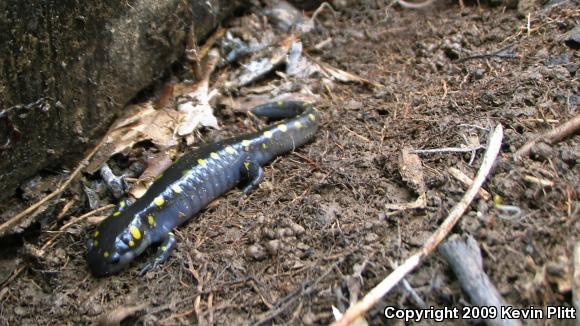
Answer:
(68, 67)
(273, 246)
(297, 228)
(478, 74)
(256, 251)
(572, 38)
(542, 151)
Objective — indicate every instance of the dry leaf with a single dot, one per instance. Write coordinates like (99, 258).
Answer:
(140, 122)
(411, 170)
(196, 108)
(266, 63)
(155, 167)
(346, 77)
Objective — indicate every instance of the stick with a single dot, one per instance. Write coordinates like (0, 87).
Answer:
(412, 5)
(541, 182)
(375, 295)
(569, 128)
(446, 149)
(5, 227)
(72, 222)
(457, 174)
(576, 278)
(464, 257)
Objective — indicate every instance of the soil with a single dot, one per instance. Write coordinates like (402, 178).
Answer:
(316, 234)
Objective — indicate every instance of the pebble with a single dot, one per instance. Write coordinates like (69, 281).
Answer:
(256, 251)
(273, 246)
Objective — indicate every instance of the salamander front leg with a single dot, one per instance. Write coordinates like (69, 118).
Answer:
(163, 252)
(254, 174)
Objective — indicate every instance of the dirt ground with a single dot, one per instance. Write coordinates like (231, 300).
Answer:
(317, 233)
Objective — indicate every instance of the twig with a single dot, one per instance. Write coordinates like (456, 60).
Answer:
(72, 222)
(569, 128)
(576, 278)
(5, 227)
(359, 136)
(464, 257)
(541, 182)
(376, 294)
(457, 174)
(473, 126)
(414, 295)
(210, 43)
(412, 5)
(501, 53)
(446, 150)
(285, 302)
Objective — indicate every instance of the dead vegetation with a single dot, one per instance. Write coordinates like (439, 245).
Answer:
(401, 144)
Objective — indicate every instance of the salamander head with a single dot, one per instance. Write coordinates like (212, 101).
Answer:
(113, 245)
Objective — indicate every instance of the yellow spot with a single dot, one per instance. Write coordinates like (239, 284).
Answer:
(151, 220)
(312, 117)
(247, 165)
(177, 189)
(122, 204)
(159, 201)
(264, 145)
(131, 243)
(164, 248)
(202, 162)
(246, 143)
(214, 155)
(298, 125)
(106, 254)
(96, 243)
(135, 232)
(117, 213)
(268, 134)
(230, 150)
(97, 233)
(283, 128)
(280, 103)
(184, 172)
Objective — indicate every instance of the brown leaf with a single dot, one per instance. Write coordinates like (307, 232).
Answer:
(140, 122)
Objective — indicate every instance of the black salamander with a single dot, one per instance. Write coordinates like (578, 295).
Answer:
(191, 183)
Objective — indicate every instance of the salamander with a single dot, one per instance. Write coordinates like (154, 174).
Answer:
(191, 183)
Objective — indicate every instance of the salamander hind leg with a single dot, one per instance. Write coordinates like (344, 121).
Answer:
(254, 174)
(162, 254)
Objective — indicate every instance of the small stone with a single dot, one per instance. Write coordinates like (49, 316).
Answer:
(273, 246)
(297, 228)
(478, 74)
(256, 251)
(542, 151)
(284, 232)
(371, 237)
(569, 156)
(269, 233)
(572, 38)
(555, 269)
(19, 311)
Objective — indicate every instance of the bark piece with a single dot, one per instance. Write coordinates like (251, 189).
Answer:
(464, 257)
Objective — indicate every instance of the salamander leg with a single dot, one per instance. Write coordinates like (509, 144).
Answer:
(163, 252)
(254, 174)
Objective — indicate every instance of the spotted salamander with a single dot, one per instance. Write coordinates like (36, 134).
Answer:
(191, 183)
